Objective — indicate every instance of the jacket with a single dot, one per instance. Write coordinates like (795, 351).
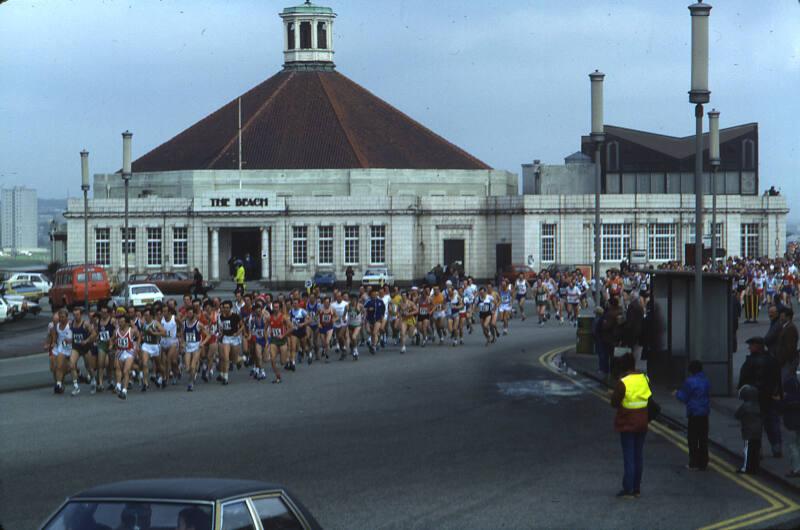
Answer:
(632, 329)
(239, 277)
(772, 336)
(609, 328)
(627, 420)
(695, 394)
(763, 372)
(749, 413)
(787, 344)
(790, 405)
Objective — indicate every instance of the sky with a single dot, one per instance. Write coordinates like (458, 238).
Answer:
(505, 80)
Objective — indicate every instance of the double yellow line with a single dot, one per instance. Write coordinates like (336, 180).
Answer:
(779, 505)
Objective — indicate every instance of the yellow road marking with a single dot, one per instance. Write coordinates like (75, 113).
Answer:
(779, 505)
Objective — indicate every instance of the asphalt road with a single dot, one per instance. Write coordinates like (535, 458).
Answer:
(442, 437)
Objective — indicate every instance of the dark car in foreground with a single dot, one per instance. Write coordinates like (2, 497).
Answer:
(200, 504)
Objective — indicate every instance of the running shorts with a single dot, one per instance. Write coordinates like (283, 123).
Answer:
(151, 349)
(192, 347)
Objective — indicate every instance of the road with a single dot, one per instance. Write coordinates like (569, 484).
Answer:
(441, 437)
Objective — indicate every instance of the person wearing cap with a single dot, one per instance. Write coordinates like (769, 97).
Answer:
(762, 371)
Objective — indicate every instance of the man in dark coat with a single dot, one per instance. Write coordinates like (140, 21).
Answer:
(774, 331)
(786, 352)
(632, 329)
(762, 371)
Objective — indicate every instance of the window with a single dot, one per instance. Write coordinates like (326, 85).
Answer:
(180, 246)
(236, 516)
(299, 245)
(661, 242)
(750, 240)
(377, 244)
(305, 35)
(548, 248)
(612, 156)
(154, 247)
(322, 35)
(102, 246)
(108, 514)
(290, 35)
(350, 245)
(129, 243)
(325, 245)
(748, 154)
(718, 234)
(274, 514)
(615, 241)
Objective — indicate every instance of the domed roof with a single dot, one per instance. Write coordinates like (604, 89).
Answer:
(312, 119)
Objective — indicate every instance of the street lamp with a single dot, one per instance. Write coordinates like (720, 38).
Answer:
(598, 136)
(85, 188)
(713, 159)
(698, 95)
(126, 177)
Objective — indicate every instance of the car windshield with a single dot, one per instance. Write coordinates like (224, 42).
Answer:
(129, 515)
(144, 289)
(375, 272)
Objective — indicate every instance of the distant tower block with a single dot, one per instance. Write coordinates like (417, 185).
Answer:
(308, 37)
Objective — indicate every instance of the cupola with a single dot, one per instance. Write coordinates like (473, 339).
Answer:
(308, 37)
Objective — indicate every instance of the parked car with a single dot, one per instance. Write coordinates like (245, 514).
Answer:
(512, 272)
(39, 280)
(68, 287)
(177, 283)
(378, 276)
(6, 310)
(183, 503)
(21, 307)
(324, 279)
(137, 295)
(28, 291)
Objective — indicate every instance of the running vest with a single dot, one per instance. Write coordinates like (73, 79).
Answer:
(637, 391)
(257, 325)
(104, 332)
(79, 333)
(277, 326)
(191, 333)
(64, 337)
(505, 297)
(170, 327)
(148, 333)
(124, 341)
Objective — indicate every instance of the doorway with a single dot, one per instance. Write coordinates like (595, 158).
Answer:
(246, 241)
(502, 256)
(453, 251)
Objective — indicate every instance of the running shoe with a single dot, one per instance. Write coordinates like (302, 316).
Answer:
(310, 358)
(403, 349)
(276, 381)
(190, 388)
(224, 381)
(371, 348)
(55, 388)
(93, 387)
(341, 357)
(75, 390)
(144, 387)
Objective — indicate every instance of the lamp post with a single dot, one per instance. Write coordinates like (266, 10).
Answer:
(85, 188)
(713, 159)
(598, 136)
(126, 177)
(698, 95)
(52, 240)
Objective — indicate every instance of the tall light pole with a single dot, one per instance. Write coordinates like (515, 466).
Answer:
(698, 95)
(598, 136)
(85, 189)
(126, 177)
(713, 159)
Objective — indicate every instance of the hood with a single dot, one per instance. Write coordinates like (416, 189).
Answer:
(748, 393)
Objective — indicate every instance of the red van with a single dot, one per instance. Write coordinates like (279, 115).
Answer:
(69, 290)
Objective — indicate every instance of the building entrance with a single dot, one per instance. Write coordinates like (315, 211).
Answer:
(244, 245)
(453, 252)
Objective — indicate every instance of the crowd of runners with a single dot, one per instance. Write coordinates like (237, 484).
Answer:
(205, 339)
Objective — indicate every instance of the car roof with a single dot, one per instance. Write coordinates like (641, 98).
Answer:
(137, 285)
(204, 489)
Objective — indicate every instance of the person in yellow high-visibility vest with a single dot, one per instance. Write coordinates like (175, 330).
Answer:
(630, 398)
(239, 277)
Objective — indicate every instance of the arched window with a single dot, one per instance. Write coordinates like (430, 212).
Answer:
(305, 35)
(322, 36)
(612, 156)
(748, 154)
(290, 35)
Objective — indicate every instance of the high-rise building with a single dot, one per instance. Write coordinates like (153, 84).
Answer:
(19, 214)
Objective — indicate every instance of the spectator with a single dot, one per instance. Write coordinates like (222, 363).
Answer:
(774, 331)
(762, 371)
(786, 352)
(600, 350)
(348, 273)
(239, 278)
(630, 398)
(610, 327)
(197, 280)
(249, 267)
(749, 416)
(790, 407)
(695, 394)
(632, 329)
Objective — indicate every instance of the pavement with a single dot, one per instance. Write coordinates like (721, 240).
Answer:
(441, 437)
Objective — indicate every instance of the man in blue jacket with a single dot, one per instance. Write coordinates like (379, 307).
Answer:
(695, 394)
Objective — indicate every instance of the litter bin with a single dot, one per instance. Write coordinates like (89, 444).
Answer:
(584, 340)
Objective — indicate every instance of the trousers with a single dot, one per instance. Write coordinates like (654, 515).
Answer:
(633, 460)
(697, 439)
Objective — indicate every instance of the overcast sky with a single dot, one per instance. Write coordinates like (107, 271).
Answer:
(505, 80)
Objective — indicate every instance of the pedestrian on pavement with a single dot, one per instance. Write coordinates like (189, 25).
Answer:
(787, 343)
(695, 395)
(630, 398)
(600, 349)
(762, 371)
(197, 282)
(632, 329)
(749, 416)
(348, 273)
(790, 407)
(774, 331)
(610, 329)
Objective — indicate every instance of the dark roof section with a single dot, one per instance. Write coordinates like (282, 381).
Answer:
(674, 146)
(307, 120)
(201, 489)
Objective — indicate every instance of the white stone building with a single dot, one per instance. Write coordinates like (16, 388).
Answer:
(18, 218)
(308, 171)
